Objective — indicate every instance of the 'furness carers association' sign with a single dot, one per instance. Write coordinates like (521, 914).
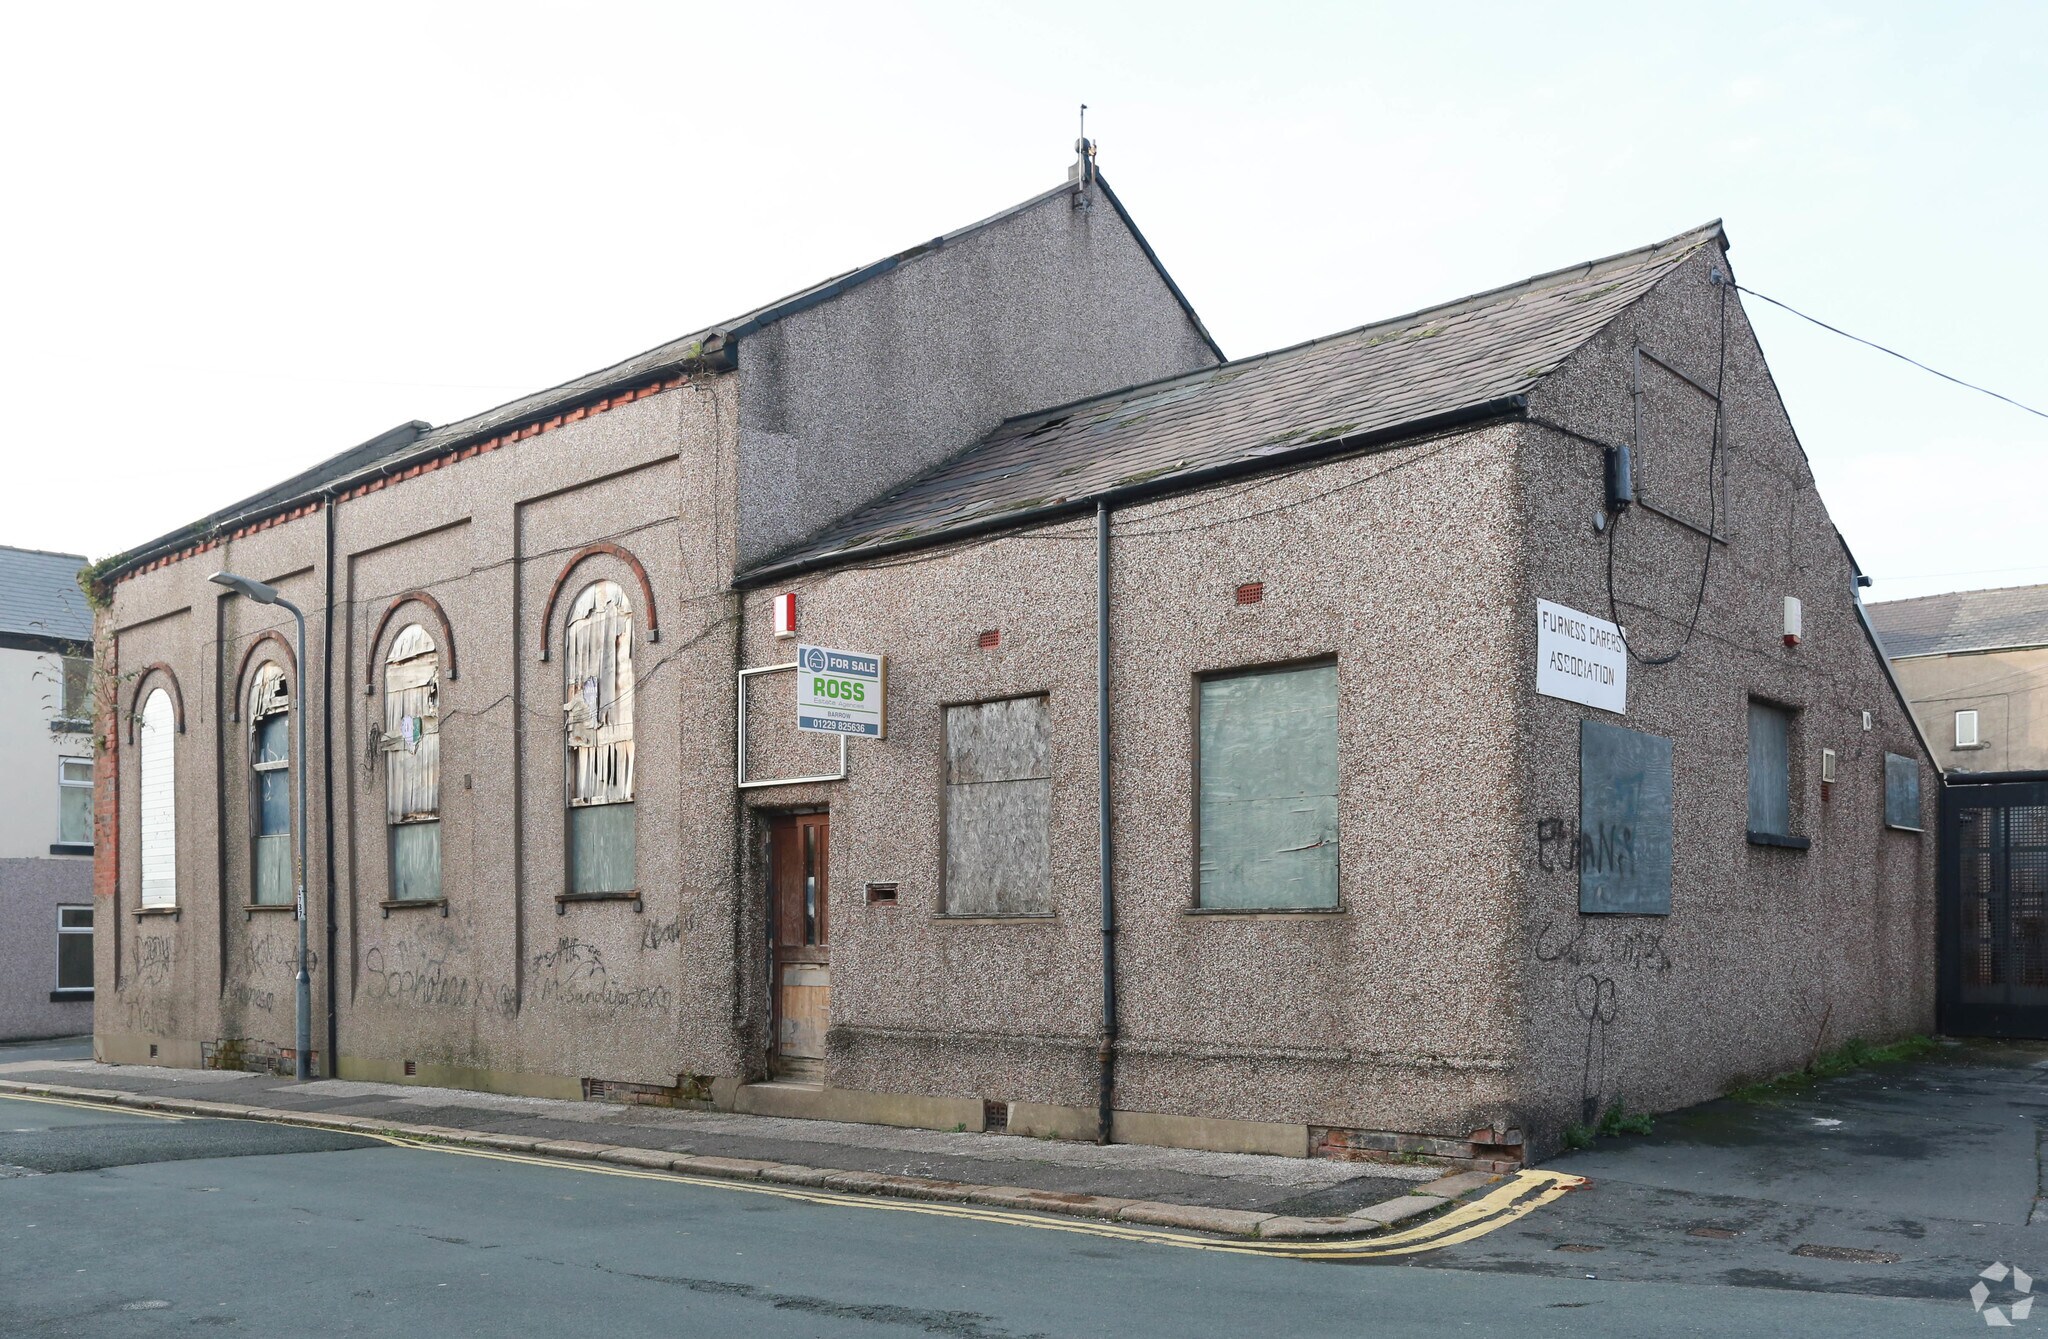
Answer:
(1580, 658)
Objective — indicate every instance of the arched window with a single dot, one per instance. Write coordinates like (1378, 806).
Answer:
(599, 725)
(270, 786)
(412, 764)
(159, 732)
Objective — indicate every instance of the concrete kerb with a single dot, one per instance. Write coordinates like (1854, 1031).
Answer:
(1365, 1222)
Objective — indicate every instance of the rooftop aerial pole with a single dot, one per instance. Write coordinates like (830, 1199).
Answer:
(1083, 171)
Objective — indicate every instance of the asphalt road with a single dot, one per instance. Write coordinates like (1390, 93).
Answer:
(113, 1223)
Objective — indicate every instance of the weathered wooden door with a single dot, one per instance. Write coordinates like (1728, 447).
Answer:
(798, 857)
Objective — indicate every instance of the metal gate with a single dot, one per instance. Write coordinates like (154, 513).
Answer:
(1994, 906)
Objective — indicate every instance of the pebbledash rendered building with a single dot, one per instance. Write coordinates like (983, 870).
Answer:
(1412, 741)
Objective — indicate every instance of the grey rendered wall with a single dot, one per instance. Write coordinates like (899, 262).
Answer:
(843, 401)
(1768, 953)
(1395, 1012)
(2007, 689)
(31, 890)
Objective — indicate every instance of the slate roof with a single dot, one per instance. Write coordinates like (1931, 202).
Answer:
(1398, 376)
(713, 344)
(40, 598)
(1962, 620)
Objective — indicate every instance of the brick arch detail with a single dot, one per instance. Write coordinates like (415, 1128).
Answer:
(291, 665)
(446, 646)
(547, 623)
(142, 682)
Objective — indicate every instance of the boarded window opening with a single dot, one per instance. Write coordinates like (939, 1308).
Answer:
(1267, 782)
(999, 808)
(1624, 843)
(270, 766)
(159, 785)
(598, 719)
(412, 764)
(1770, 770)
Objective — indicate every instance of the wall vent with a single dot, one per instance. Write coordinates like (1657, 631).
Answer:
(412, 1069)
(882, 894)
(989, 639)
(995, 1116)
(1251, 592)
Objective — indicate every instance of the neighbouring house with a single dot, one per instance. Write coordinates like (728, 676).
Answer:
(46, 796)
(1412, 741)
(1974, 664)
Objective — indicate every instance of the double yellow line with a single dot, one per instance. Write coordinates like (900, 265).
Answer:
(1521, 1194)
(95, 1106)
(1518, 1196)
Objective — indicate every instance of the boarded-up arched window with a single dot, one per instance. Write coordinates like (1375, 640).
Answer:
(412, 764)
(599, 724)
(270, 784)
(159, 733)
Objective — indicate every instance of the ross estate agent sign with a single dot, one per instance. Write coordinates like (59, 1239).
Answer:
(840, 692)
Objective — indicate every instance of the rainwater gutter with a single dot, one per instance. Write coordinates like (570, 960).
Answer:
(1105, 1052)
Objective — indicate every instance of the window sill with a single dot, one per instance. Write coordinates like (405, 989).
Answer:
(70, 848)
(72, 994)
(70, 725)
(999, 918)
(562, 900)
(1780, 839)
(253, 907)
(172, 912)
(406, 903)
(1288, 913)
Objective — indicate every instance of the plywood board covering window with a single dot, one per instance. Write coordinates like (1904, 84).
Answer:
(1267, 780)
(159, 733)
(598, 718)
(412, 764)
(270, 767)
(1770, 769)
(999, 809)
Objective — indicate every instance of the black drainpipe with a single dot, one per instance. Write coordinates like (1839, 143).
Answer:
(327, 780)
(1105, 1052)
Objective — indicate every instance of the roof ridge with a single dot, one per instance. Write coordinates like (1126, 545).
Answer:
(43, 553)
(1952, 594)
(1694, 237)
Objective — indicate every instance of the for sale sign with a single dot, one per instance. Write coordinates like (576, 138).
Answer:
(840, 692)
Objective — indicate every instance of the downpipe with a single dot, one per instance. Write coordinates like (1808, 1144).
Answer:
(1105, 1051)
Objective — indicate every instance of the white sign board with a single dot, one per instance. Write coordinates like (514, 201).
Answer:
(1580, 658)
(840, 692)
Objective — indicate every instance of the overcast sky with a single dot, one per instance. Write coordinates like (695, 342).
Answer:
(241, 239)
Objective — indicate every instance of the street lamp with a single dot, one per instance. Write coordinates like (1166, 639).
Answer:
(263, 594)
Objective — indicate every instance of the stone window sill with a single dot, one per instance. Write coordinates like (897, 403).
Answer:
(1779, 839)
(70, 848)
(407, 903)
(70, 994)
(562, 900)
(172, 912)
(1264, 913)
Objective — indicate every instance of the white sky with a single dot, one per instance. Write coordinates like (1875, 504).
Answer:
(238, 239)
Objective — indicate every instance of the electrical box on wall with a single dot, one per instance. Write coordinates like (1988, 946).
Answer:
(785, 614)
(1792, 620)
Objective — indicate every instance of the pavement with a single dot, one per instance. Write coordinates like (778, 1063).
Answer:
(242, 1235)
(1227, 1193)
(1870, 1204)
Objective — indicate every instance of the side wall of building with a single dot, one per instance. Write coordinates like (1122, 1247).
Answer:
(1769, 954)
(842, 401)
(500, 984)
(2007, 689)
(1392, 1013)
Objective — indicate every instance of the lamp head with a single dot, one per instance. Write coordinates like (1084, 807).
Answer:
(255, 590)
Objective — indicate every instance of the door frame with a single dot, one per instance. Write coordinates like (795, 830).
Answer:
(775, 957)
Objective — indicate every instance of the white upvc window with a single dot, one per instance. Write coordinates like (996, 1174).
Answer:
(74, 802)
(74, 953)
(1966, 729)
(159, 785)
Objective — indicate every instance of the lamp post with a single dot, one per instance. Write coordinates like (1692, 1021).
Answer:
(263, 594)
